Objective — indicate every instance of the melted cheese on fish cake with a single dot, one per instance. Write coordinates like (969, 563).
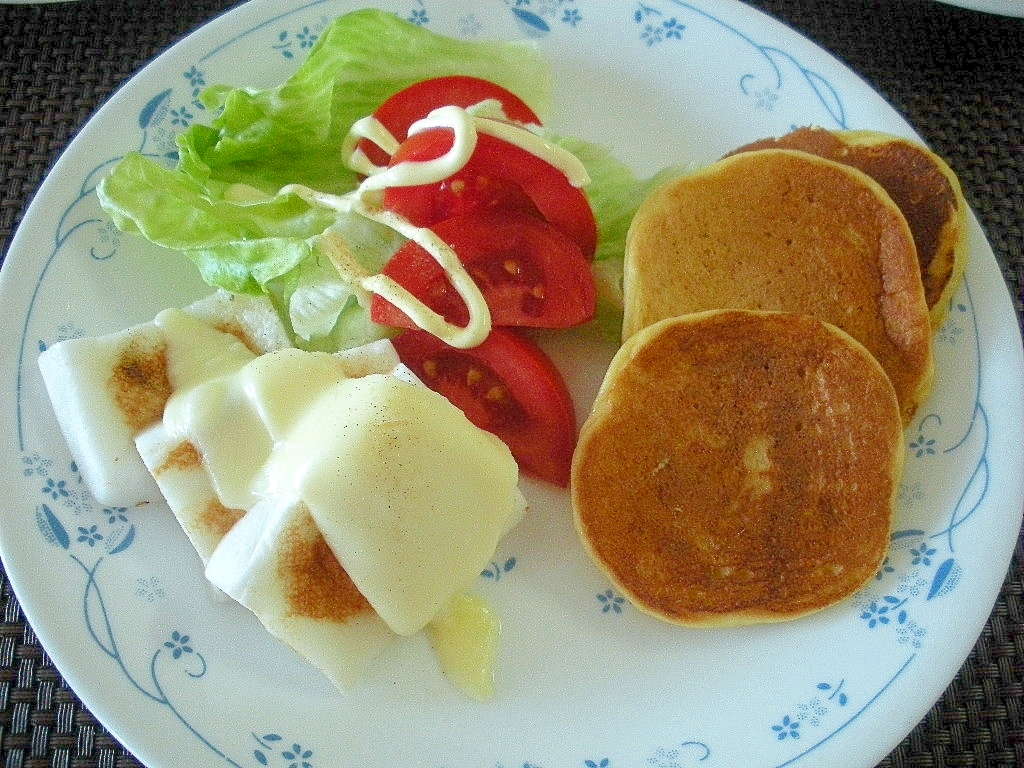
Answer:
(271, 558)
(323, 466)
(203, 411)
(106, 389)
(409, 495)
(414, 518)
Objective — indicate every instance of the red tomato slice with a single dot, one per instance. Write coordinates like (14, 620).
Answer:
(509, 387)
(530, 274)
(418, 100)
(499, 174)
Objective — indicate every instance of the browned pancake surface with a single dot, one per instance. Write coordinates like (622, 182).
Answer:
(919, 182)
(739, 467)
(784, 230)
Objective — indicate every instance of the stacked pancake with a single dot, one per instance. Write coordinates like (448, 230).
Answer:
(779, 229)
(922, 185)
(743, 455)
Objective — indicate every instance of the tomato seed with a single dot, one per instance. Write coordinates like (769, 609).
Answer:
(512, 267)
(473, 376)
(431, 368)
(497, 393)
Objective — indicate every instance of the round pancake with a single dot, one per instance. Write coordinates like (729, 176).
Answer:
(785, 230)
(739, 467)
(920, 182)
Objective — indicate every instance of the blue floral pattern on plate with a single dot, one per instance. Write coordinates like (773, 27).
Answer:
(924, 565)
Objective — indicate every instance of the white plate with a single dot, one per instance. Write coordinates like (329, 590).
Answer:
(998, 7)
(117, 596)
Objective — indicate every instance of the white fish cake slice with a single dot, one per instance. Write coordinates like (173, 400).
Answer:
(252, 319)
(375, 357)
(106, 389)
(275, 562)
(300, 597)
(103, 390)
(185, 484)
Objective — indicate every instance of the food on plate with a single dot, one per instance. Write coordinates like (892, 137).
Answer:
(342, 439)
(531, 274)
(780, 229)
(742, 456)
(920, 182)
(105, 389)
(389, 148)
(398, 113)
(331, 510)
(506, 386)
(739, 466)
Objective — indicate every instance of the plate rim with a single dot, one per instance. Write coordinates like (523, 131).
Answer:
(95, 119)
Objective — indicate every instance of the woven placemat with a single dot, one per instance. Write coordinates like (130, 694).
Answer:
(956, 75)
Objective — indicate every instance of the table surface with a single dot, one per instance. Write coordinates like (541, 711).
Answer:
(956, 75)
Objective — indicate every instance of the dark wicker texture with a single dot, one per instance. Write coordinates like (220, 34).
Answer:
(956, 75)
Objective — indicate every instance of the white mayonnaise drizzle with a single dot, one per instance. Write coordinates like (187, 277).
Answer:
(479, 325)
(367, 128)
(554, 155)
(466, 124)
(372, 129)
(414, 173)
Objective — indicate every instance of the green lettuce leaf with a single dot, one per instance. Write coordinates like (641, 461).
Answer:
(292, 134)
(614, 193)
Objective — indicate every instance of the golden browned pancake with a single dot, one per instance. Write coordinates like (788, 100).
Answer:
(739, 467)
(920, 182)
(784, 230)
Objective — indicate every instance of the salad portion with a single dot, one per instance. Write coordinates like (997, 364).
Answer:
(288, 182)
(401, 215)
